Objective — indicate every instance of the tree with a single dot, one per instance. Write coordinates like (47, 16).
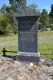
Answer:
(3, 23)
(3, 9)
(12, 21)
(15, 2)
(44, 18)
(39, 24)
(51, 12)
(51, 15)
(6, 18)
(33, 10)
(14, 10)
(34, 7)
(11, 11)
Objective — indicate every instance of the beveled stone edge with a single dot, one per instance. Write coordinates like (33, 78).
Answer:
(28, 54)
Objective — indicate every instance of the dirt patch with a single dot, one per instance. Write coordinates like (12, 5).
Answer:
(15, 70)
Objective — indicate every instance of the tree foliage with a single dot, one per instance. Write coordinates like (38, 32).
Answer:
(51, 15)
(34, 7)
(14, 10)
(12, 21)
(14, 2)
(44, 18)
(6, 19)
(51, 12)
(3, 8)
(3, 22)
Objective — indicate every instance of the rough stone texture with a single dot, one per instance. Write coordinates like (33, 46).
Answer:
(14, 70)
(33, 57)
(49, 62)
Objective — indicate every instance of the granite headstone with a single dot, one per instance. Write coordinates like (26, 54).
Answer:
(27, 38)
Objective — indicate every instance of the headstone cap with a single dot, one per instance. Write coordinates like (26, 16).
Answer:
(27, 17)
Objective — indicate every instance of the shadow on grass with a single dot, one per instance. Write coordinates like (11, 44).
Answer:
(5, 35)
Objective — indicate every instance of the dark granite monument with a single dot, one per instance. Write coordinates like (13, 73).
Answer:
(27, 35)
(27, 39)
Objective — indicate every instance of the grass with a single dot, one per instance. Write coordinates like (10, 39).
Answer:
(44, 48)
(14, 37)
(45, 33)
(8, 38)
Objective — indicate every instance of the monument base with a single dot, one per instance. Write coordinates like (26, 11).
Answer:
(28, 57)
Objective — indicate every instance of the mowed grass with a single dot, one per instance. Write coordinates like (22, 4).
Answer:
(46, 49)
(9, 38)
(45, 34)
(43, 48)
(5, 38)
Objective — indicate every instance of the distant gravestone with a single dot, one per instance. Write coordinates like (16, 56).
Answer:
(27, 38)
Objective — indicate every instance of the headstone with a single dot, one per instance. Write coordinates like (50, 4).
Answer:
(27, 39)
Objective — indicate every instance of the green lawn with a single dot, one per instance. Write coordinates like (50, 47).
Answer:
(44, 48)
(45, 33)
(8, 38)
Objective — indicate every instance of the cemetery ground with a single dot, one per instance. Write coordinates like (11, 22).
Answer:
(45, 43)
(16, 70)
